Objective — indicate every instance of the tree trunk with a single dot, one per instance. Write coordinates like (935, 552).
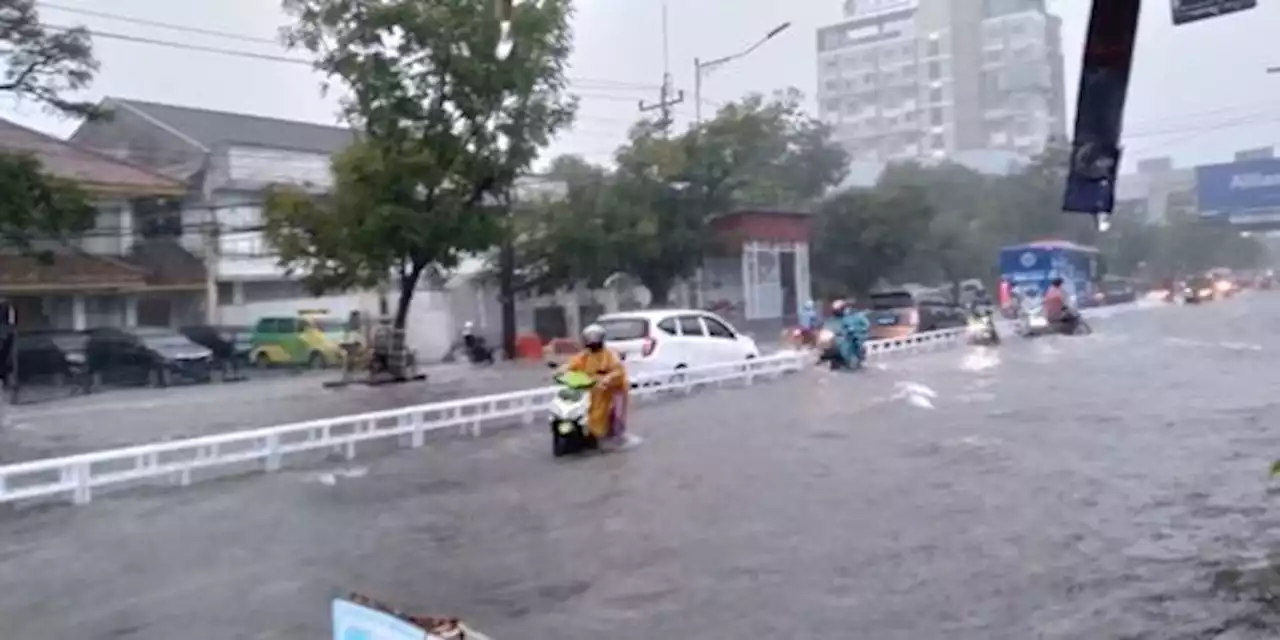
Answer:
(398, 358)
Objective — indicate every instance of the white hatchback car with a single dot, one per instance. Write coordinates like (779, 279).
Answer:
(667, 340)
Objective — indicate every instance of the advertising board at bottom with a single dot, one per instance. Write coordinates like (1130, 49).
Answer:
(353, 621)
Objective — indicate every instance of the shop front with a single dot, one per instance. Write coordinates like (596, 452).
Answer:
(759, 276)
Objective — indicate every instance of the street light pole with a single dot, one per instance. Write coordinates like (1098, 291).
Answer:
(700, 67)
(697, 92)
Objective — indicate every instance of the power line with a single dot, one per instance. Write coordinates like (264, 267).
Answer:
(158, 24)
(110, 35)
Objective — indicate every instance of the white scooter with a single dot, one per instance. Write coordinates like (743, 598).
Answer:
(569, 408)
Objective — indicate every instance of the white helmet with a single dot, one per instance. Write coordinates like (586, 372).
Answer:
(593, 334)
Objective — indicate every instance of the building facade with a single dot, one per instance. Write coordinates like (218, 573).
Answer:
(1156, 191)
(129, 268)
(906, 80)
(227, 160)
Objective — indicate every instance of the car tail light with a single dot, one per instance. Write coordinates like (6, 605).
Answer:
(649, 345)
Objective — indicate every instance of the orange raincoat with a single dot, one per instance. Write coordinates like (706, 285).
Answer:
(609, 397)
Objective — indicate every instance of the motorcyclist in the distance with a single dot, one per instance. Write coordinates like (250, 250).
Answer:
(606, 419)
(810, 323)
(853, 330)
(1057, 310)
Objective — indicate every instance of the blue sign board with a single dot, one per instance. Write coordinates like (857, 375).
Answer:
(354, 622)
(1242, 192)
(1104, 86)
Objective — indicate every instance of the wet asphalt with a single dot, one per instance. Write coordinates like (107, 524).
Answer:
(1109, 486)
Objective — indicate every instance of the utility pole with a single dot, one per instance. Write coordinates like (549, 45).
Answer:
(212, 250)
(667, 98)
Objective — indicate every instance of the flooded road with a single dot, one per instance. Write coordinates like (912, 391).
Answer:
(1110, 486)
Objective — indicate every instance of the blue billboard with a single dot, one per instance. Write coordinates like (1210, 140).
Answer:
(1245, 192)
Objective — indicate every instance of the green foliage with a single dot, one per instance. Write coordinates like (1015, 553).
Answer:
(37, 206)
(650, 216)
(862, 234)
(969, 216)
(446, 125)
(562, 238)
(43, 63)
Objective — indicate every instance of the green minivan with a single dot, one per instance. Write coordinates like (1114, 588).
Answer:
(315, 342)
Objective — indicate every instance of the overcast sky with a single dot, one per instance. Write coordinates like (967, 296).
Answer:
(1199, 93)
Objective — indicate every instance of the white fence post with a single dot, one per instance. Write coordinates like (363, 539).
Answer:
(82, 493)
(274, 455)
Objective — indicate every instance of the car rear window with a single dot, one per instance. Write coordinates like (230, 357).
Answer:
(885, 317)
(625, 328)
(891, 300)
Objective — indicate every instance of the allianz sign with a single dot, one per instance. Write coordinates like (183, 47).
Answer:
(1246, 181)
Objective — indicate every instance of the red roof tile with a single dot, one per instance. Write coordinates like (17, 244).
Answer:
(94, 171)
(67, 271)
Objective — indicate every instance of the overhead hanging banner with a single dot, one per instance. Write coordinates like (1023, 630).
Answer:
(1104, 85)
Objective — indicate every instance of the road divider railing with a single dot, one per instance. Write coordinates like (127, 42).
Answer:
(80, 477)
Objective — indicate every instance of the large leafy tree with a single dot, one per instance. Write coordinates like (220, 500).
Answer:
(446, 119)
(656, 212)
(47, 66)
(862, 236)
(561, 237)
(44, 63)
(36, 206)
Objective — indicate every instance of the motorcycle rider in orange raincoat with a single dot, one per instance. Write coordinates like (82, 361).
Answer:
(607, 416)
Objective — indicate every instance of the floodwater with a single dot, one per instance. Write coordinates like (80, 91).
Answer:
(1101, 487)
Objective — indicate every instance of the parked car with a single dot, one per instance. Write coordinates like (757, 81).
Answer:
(311, 341)
(894, 314)
(52, 357)
(228, 343)
(148, 356)
(667, 340)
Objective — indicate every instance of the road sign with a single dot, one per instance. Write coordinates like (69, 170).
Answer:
(1185, 11)
(354, 622)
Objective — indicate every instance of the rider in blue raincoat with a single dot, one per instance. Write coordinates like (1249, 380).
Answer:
(809, 319)
(854, 328)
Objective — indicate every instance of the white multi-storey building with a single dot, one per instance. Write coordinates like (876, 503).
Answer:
(901, 80)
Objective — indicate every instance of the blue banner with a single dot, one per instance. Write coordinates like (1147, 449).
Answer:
(1247, 187)
(1185, 11)
(354, 622)
(1104, 85)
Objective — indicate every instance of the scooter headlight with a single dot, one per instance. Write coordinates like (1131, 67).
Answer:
(569, 395)
(565, 427)
(1038, 322)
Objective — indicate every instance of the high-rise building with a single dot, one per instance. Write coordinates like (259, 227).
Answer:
(902, 79)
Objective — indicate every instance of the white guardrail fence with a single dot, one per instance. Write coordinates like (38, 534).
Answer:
(80, 476)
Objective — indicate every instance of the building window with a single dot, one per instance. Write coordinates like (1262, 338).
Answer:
(935, 95)
(935, 117)
(936, 141)
(935, 48)
(104, 311)
(935, 70)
